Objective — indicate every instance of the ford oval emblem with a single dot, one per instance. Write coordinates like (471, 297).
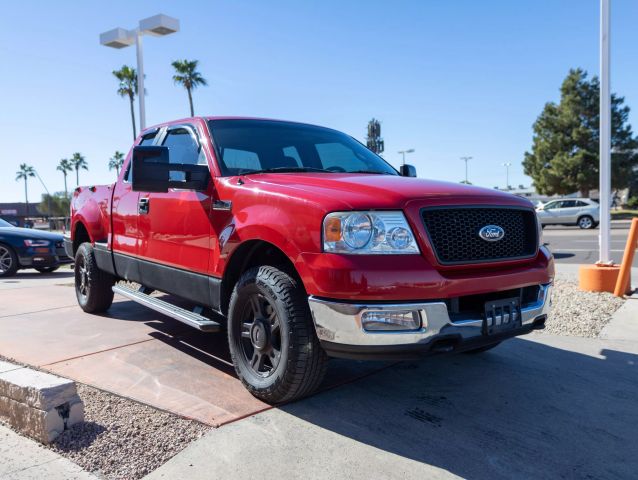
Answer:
(491, 233)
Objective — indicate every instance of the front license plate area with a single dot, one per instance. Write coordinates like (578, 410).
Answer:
(502, 316)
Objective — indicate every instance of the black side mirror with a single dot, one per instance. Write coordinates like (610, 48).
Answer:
(152, 171)
(407, 170)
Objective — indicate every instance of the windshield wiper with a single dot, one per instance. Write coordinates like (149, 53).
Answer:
(370, 171)
(283, 170)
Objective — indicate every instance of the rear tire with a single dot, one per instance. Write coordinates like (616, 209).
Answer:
(586, 222)
(8, 261)
(46, 269)
(271, 336)
(93, 287)
(482, 349)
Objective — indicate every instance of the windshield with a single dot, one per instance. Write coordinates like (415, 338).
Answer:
(255, 146)
(4, 224)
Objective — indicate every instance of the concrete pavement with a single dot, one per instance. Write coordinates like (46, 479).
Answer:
(24, 459)
(539, 406)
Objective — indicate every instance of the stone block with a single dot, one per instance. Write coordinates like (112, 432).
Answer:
(38, 404)
(36, 389)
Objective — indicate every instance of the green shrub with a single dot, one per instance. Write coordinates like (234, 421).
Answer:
(632, 202)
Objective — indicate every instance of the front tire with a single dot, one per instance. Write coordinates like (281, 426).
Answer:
(8, 261)
(271, 336)
(586, 222)
(93, 287)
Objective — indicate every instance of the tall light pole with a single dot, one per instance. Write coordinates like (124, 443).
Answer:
(507, 166)
(403, 152)
(48, 195)
(157, 25)
(466, 159)
(605, 137)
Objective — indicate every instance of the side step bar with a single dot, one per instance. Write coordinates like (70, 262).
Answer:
(192, 319)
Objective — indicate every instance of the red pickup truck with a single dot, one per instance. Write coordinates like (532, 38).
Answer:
(302, 244)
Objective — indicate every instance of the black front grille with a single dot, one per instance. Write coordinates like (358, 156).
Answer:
(454, 233)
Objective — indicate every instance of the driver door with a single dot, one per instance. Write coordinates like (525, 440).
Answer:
(175, 226)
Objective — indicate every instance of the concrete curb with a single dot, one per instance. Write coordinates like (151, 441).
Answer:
(38, 404)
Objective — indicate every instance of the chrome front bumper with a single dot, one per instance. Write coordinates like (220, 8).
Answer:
(339, 327)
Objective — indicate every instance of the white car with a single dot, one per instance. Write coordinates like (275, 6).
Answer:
(583, 212)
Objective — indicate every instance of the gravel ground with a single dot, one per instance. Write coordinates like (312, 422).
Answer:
(123, 439)
(578, 313)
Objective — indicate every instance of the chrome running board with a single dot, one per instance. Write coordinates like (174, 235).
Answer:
(192, 319)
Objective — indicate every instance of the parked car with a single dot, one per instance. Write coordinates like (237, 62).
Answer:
(583, 212)
(303, 244)
(27, 248)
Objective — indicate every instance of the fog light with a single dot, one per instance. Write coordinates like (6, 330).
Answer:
(392, 320)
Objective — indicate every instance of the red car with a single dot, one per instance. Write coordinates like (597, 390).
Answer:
(303, 244)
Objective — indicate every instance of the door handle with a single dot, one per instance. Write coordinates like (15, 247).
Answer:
(143, 206)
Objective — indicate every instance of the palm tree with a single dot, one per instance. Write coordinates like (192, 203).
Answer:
(78, 162)
(128, 88)
(188, 77)
(116, 162)
(65, 167)
(24, 173)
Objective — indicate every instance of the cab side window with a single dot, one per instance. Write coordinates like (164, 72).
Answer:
(183, 148)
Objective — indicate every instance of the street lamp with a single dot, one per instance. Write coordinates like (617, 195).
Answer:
(604, 188)
(466, 159)
(507, 166)
(157, 25)
(403, 152)
(48, 195)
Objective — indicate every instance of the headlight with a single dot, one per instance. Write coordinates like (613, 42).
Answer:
(37, 243)
(368, 233)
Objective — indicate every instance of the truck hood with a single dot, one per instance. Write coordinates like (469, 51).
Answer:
(354, 191)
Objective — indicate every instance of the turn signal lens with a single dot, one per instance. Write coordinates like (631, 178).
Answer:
(332, 229)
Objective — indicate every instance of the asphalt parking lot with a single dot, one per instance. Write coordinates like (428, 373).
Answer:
(573, 245)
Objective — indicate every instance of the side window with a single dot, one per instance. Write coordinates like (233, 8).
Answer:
(338, 155)
(183, 148)
(569, 204)
(552, 205)
(238, 160)
(581, 204)
(147, 139)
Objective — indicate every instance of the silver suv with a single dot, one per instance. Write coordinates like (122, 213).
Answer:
(583, 212)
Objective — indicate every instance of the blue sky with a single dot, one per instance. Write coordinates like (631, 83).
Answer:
(447, 78)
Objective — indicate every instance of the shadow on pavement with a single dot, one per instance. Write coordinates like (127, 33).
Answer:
(523, 410)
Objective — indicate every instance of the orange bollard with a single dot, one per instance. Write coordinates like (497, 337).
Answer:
(622, 284)
(598, 278)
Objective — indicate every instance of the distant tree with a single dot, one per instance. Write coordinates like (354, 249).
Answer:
(565, 150)
(466, 182)
(115, 163)
(128, 88)
(186, 75)
(374, 142)
(55, 205)
(79, 163)
(24, 173)
(65, 167)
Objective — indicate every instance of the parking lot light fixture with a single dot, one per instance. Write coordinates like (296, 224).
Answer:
(466, 159)
(507, 166)
(403, 152)
(157, 25)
